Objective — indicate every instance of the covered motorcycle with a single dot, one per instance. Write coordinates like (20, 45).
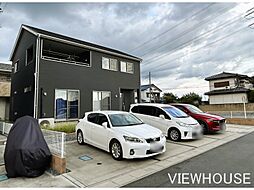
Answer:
(26, 152)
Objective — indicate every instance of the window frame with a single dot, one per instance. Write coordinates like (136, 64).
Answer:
(125, 70)
(132, 66)
(109, 63)
(67, 106)
(28, 89)
(16, 69)
(221, 84)
(110, 99)
(31, 47)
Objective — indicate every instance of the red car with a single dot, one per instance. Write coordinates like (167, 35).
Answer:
(209, 122)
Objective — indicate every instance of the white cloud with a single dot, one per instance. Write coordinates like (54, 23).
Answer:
(125, 26)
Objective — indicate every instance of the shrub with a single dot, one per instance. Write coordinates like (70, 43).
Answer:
(67, 127)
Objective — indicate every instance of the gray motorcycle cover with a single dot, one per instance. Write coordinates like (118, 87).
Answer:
(26, 152)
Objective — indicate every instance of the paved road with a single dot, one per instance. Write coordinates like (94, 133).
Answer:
(234, 157)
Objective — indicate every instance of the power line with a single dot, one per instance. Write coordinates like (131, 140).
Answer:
(205, 46)
(161, 34)
(185, 87)
(209, 32)
(185, 32)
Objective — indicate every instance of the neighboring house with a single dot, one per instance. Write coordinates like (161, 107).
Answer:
(56, 76)
(154, 92)
(5, 89)
(228, 88)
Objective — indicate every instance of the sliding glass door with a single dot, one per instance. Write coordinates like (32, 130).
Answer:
(66, 104)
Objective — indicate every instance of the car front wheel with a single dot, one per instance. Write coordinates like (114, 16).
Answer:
(116, 150)
(174, 135)
(80, 137)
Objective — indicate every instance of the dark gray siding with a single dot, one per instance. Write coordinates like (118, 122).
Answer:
(23, 103)
(56, 75)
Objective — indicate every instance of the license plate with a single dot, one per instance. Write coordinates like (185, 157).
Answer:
(155, 147)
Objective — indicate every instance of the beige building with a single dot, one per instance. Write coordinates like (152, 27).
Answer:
(5, 86)
(228, 88)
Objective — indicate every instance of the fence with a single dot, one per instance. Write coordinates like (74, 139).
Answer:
(234, 114)
(245, 111)
(56, 140)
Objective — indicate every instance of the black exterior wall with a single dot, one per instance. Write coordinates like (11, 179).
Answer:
(21, 103)
(56, 75)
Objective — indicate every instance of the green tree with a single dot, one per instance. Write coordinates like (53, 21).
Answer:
(191, 98)
(169, 98)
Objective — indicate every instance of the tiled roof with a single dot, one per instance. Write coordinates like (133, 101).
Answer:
(225, 75)
(227, 91)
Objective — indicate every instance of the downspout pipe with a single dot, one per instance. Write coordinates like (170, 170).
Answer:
(36, 77)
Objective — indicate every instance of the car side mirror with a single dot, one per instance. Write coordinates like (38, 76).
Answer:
(105, 125)
(162, 116)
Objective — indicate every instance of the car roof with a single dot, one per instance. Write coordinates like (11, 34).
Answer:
(180, 104)
(151, 104)
(107, 112)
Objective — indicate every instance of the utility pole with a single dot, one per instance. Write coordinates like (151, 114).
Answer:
(150, 89)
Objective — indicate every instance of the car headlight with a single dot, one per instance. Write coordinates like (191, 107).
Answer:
(182, 124)
(213, 120)
(133, 139)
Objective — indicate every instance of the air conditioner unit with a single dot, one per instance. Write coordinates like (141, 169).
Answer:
(47, 122)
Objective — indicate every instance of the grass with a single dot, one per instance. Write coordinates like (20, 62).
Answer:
(67, 127)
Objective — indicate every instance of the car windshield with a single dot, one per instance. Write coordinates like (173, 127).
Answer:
(120, 120)
(194, 109)
(175, 112)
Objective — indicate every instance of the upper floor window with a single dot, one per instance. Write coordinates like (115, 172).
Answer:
(16, 66)
(63, 52)
(29, 55)
(221, 84)
(127, 67)
(109, 64)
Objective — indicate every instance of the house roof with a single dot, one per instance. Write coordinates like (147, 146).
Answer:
(227, 91)
(90, 45)
(225, 75)
(5, 67)
(145, 87)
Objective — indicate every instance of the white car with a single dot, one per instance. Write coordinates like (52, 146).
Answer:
(120, 133)
(174, 123)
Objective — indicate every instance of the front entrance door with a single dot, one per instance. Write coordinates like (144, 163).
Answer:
(126, 99)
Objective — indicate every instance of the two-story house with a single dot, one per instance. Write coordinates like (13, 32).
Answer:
(228, 88)
(150, 92)
(5, 89)
(56, 76)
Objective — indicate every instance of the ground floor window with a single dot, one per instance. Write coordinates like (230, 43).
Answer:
(66, 104)
(101, 100)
